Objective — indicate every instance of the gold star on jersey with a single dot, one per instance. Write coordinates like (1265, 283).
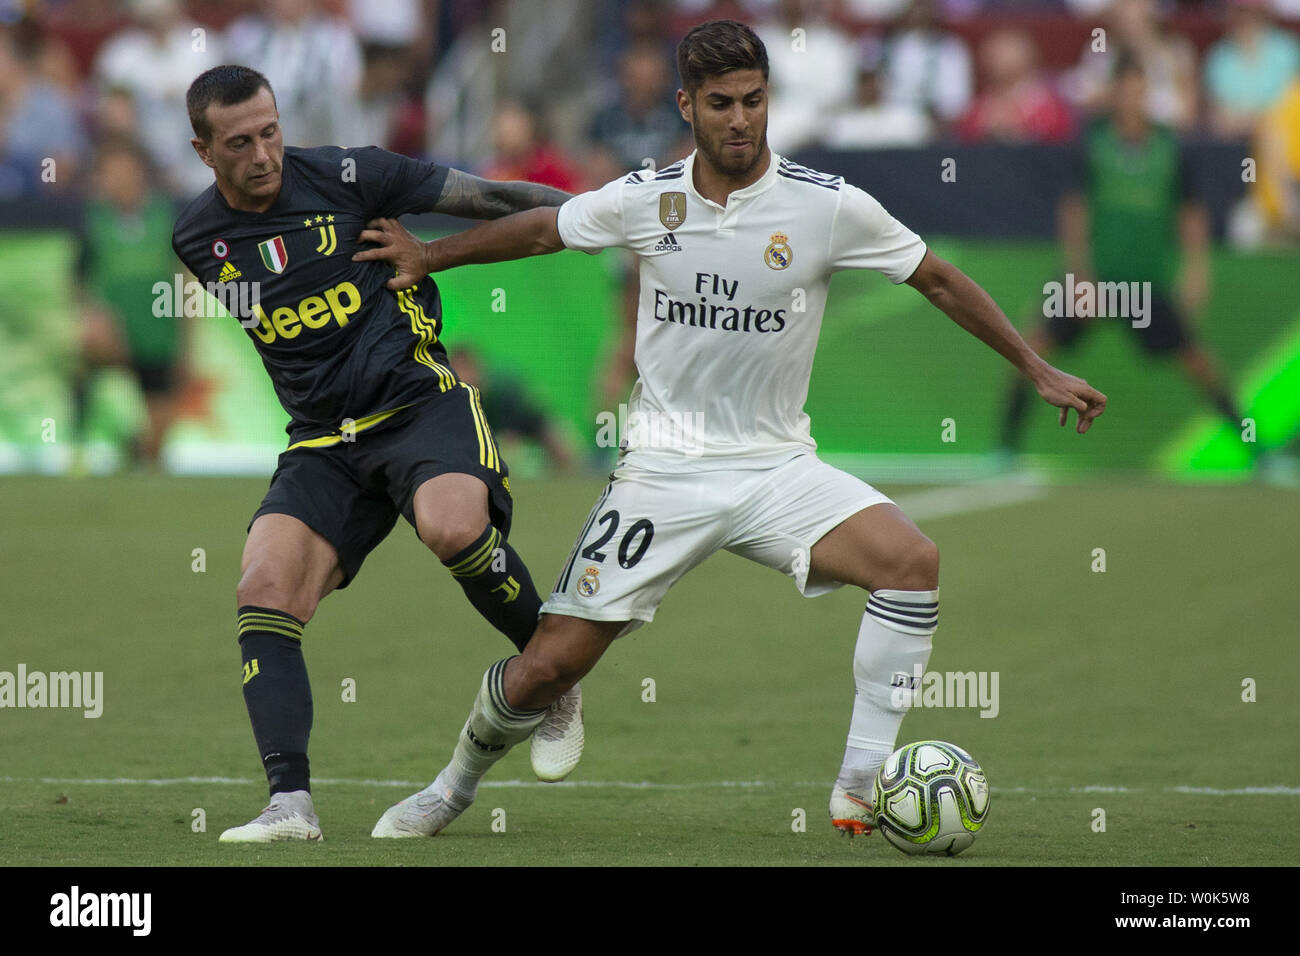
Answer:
(324, 226)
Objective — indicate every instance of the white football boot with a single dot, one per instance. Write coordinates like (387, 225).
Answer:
(851, 811)
(289, 816)
(421, 814)
(558, 739)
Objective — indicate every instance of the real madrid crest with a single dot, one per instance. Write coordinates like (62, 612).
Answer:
(589, 583)
(778, 255)
(672, 210)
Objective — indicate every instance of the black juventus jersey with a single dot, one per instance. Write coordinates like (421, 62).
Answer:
(337, 344)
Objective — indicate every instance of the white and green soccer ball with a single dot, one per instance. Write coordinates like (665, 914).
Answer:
(930, 797)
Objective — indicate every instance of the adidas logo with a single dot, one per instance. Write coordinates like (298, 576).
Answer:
(229, 273)
(668, 244)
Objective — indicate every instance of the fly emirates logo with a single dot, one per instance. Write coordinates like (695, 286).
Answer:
(717, 308)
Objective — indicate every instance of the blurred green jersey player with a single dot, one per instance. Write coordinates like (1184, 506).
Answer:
(125, 249)
(1134, 218)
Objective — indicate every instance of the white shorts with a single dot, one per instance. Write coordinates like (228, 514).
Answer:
(649, 528)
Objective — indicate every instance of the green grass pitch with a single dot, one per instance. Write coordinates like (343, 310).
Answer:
(1116, 689)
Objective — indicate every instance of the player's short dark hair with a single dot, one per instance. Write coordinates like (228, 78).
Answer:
(224, 85)
(718, 47)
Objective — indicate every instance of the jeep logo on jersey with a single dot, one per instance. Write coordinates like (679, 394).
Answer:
(313, 312)
(274, 256)
(672, 210)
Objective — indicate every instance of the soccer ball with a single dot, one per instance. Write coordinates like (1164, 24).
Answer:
(930, 797)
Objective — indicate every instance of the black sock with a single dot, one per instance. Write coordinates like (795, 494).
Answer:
(1017, 403)
(80, 403)
(277, 694)
(496, 582)
(1226, 406)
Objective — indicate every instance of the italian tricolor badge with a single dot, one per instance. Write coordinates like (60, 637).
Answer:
(274, 256)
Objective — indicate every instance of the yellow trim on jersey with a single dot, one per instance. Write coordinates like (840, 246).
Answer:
(424, 327)
(488, 456)
(492, 442)
(361, 424)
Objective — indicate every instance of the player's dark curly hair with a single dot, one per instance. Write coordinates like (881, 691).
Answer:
(224, 85)
(718, 47)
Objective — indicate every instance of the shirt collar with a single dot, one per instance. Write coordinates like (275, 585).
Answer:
(760, 185)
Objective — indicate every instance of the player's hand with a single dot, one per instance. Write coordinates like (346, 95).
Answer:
(396, 246)
(1066, 391)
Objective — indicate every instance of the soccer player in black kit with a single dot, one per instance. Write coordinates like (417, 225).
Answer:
(380, 425)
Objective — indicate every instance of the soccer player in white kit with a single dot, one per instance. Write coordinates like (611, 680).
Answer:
(736, 247)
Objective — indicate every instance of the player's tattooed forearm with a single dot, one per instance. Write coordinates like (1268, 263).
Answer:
(474, 198)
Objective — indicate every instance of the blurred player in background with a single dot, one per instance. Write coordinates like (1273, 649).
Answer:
(729, 240)
(125, 249)
(511, 411)
(380, 425)
(1132, 215)
(523, 152)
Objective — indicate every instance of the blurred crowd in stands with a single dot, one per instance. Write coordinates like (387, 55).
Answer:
(92, 107)
(846, 74)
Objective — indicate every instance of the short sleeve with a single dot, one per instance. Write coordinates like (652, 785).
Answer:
(396, 185)
(593, 221)
(865, 236)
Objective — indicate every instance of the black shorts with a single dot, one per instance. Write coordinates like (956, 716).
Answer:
(1166, 333)
(351, 492)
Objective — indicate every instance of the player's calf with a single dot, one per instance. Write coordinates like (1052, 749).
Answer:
(562, 651)
(498, 584)
(889, 659)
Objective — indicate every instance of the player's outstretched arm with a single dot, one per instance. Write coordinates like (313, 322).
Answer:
(472, 197)
(962, 300)
(518, 236)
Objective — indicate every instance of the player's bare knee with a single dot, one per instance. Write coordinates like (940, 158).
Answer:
(448, 537)
(914, 567)
(923, 565)
(262, 590)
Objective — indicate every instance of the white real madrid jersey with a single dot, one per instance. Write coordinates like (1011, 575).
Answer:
(731, 303)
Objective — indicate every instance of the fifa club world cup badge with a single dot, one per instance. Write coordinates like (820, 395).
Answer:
(672, 210)
(589, 583)
(778, 255)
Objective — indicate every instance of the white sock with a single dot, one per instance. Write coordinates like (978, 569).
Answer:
(894, 642)
(492, 729)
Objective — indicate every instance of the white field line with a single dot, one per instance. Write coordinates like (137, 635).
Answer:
(1277, 790)
(963, 499)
